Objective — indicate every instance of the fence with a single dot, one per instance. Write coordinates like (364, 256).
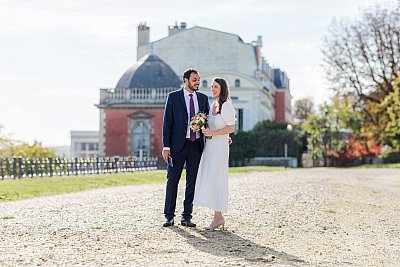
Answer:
(13, 168)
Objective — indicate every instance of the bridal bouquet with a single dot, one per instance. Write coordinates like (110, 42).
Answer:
(199, 122)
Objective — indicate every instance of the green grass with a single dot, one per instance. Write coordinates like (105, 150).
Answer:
(240, 170)
(386, 165)
(329, 211)
(11, 190)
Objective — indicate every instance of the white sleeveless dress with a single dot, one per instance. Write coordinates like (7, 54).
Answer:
(211, 189)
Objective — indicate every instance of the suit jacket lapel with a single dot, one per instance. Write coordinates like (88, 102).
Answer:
(200, 103)
(183, 102)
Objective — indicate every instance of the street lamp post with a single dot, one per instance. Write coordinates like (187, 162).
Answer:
(289, 127)
(286, 162)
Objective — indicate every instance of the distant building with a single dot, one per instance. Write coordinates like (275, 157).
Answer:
(61, 151)
(283, 99)
(84, 143)
(131, 114)
(259, 92)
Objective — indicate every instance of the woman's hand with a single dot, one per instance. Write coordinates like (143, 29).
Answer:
(207, 132)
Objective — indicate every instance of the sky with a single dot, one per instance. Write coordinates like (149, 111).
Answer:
(55, 55)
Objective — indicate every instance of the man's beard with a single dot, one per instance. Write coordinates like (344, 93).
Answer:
(191, 87)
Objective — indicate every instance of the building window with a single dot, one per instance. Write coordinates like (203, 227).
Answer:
(140, 136)
(239, 123)
(237, 83)
(93, 146)
(205, 84)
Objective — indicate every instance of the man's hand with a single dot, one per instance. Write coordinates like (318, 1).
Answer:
(165, 154)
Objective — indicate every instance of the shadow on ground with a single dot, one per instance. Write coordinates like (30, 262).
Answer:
(225, 243)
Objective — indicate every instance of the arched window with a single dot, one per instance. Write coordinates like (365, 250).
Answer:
(140, 136)
(205, 83)
(237, 83)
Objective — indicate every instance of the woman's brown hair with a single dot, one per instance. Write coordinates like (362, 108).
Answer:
(224, 94)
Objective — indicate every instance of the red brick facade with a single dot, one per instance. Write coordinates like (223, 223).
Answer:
(280, 106)
(117, 130)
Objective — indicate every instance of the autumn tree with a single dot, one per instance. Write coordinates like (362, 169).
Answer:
(13, 148)
(36, 150)
(391, 104)
(362, 59)
(327, 129)
(303, 108)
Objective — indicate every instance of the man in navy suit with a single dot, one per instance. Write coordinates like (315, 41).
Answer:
(181, 144)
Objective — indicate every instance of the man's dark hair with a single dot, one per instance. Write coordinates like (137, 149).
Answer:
(188, 72)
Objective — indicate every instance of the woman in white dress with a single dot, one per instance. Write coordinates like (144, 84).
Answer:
(212, 178)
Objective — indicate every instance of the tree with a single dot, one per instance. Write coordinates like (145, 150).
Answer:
(387, 114)
(346, 118)
(391, 104)
(362, 59)
(328, 129)
(364, 56)
(36, 150)
(266, 139)
(303, 108)
(361, 148)
(318, 129)
(242, 148)
(11, 148)
(5, 144)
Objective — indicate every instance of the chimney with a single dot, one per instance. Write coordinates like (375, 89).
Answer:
(143, 34)
(259, 41)
(175, 29)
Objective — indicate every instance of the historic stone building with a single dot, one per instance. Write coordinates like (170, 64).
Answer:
(259, 92)
(131, 114)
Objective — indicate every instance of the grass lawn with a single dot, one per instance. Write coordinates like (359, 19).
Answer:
(386, 165)
(240, 170)
(11, 190)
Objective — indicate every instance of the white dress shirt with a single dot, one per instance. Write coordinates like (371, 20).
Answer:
(196, 109)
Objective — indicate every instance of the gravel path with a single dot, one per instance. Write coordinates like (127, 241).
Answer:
(318, 217)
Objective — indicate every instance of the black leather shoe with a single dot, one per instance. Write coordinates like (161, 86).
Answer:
(187, 223)
(168, 223)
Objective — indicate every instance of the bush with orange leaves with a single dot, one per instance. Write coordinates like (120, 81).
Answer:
(356, 150)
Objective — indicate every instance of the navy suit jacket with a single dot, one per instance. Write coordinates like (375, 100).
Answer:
(176, 119)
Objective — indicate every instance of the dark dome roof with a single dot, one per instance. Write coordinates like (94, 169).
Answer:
(149, 72)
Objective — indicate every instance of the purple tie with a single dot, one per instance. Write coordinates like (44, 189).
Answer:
(192, 134)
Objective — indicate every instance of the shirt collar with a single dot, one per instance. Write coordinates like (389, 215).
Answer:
(186, 93)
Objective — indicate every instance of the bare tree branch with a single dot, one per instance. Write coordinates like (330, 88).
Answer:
(364, 55)
(362, 58)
